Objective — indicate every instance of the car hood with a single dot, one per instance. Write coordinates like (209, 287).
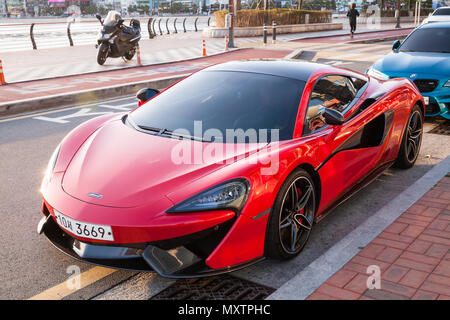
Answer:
(400, 63)
(122, 167)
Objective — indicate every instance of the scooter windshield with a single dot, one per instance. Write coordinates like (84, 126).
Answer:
(111, 19)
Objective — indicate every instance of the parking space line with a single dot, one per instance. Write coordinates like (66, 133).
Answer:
(62, 290)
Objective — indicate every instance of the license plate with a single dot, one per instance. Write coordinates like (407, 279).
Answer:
(83, 229)
(426, 100)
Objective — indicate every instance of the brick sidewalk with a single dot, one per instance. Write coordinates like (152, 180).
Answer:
(412, 253)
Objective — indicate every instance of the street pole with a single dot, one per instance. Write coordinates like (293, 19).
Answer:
(231, 12)
(397, 26)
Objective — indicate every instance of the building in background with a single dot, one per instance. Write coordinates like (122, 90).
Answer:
(20, 8)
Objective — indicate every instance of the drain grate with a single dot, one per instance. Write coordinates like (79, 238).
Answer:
(215, 288)
(442, 128)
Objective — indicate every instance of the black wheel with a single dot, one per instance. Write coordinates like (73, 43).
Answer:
(292, 216)
(130, 54)
(412, 139)
(102, 54)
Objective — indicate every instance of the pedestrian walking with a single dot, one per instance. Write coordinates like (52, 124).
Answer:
(352, 14)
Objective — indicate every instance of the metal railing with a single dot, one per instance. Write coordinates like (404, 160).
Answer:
(13, 37)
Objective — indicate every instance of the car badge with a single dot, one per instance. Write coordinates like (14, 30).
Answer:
(95, 195)
(412, 76)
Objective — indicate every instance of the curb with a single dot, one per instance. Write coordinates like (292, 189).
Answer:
(82, 96)
(378, 39)
(295, 54)
(320, 270)
(343, 34)
(75, 97)
(130, 67)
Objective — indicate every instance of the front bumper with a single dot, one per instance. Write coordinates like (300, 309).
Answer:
(439, 105)
(182, 257)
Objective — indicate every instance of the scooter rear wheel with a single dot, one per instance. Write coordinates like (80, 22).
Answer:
(130, 54)
(102, 54)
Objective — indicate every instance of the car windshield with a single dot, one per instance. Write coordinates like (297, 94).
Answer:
(428, 40)
(221, 100)
(442, 12)
(111, 19)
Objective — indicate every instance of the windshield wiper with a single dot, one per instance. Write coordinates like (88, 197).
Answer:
(151, 129)
(162, 131)
(170, 133)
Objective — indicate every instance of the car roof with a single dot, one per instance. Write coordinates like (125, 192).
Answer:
(435, 25)
(293, 69)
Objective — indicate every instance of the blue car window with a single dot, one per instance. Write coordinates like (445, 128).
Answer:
(442, 12)
(428, 40)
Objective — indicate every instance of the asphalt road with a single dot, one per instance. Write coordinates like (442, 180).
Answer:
(29, 264)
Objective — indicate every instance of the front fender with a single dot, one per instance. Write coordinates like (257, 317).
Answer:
(75, 139)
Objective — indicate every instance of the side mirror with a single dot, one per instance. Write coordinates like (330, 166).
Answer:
(99, 17)
(396, 45)
(333, 117)
(146, 94)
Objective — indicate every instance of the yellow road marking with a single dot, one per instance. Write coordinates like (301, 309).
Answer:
(31, 115)
(62, 290)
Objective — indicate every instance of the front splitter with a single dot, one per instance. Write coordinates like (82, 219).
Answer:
(176, 263)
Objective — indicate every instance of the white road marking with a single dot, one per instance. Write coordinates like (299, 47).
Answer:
(120, 107)
(86, 112)
(336, 63)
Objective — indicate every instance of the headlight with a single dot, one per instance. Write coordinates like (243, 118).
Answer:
(51, 166)
(228, 195)
(103, 37)
(377, 74)
(447, 84)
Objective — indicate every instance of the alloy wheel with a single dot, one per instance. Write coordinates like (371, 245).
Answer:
(414, 136)
(297, 215)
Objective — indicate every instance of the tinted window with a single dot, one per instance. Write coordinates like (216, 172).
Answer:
(442, 12)
(334, 92)
(428, 40)
(225, 100)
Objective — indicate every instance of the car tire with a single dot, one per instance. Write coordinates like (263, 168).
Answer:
(102, 54)
(290, 225)
(411, 141)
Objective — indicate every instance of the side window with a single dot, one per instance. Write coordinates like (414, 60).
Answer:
(332, 91)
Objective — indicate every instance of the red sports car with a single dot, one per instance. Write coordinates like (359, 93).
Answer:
(232, 164)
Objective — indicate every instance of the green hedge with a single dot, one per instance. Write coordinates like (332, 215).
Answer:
(256, 18)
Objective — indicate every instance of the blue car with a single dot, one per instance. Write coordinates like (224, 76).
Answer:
(423, 57)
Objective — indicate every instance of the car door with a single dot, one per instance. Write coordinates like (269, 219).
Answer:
(346, 152)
